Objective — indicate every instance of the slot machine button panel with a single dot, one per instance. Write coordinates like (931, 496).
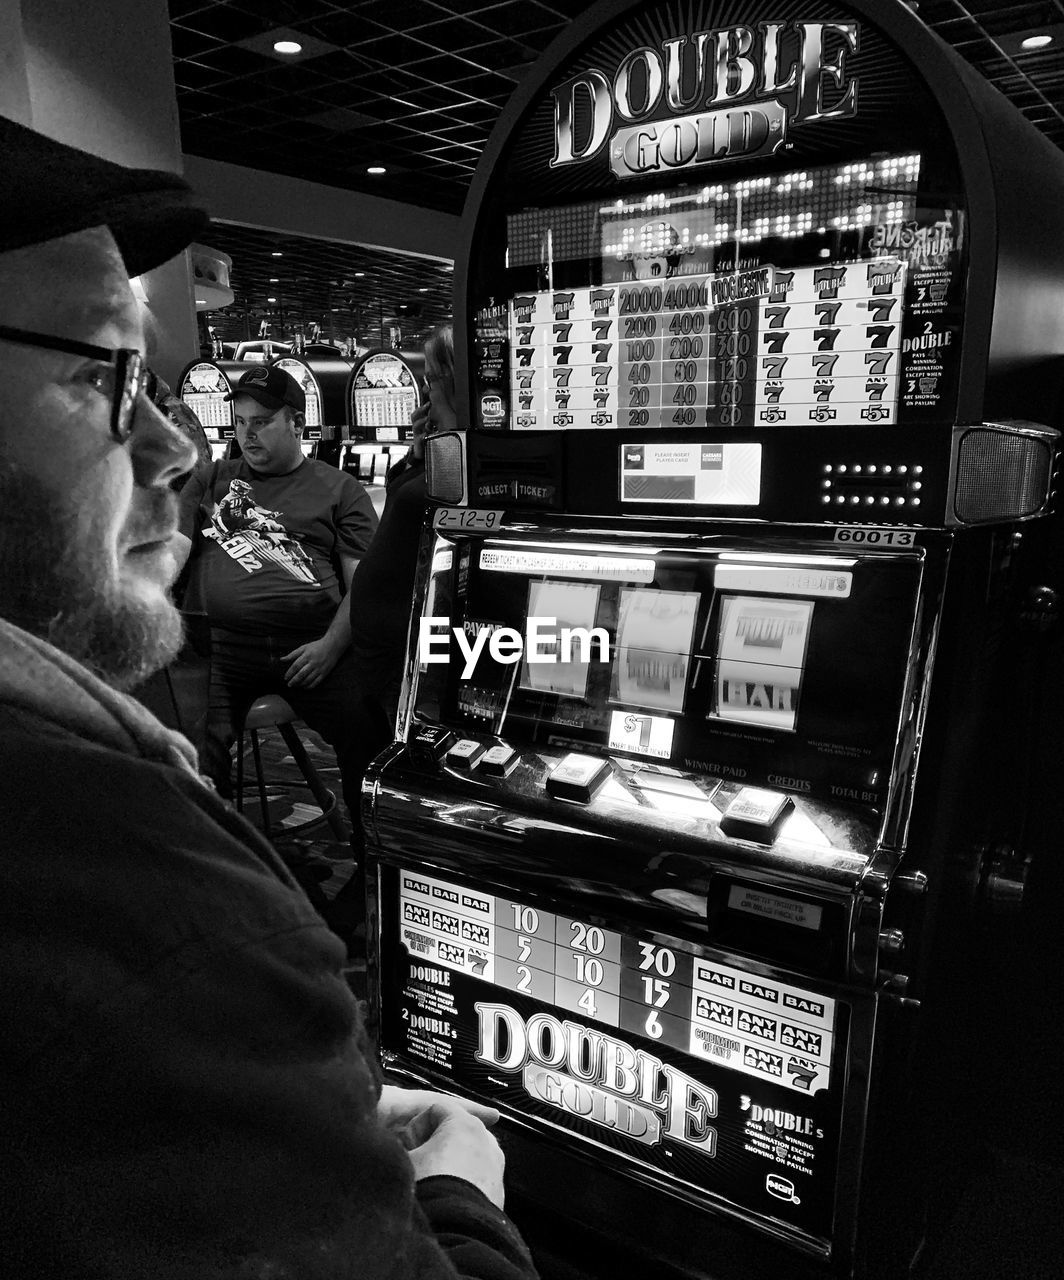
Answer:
(498, 760)
(465, 754)
(578, 777)
(756, 814)
(429, 743)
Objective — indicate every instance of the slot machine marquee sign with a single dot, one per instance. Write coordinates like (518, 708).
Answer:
(729, 230)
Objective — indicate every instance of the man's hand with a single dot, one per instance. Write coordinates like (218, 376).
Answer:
(397, 1106)
(447, 1136)
(310, 663)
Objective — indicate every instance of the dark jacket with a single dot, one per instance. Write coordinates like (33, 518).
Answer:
(187, 1091)
(382, 587)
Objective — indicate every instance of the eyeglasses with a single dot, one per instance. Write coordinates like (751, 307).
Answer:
(126, 375)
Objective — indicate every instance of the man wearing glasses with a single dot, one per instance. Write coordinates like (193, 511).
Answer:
(186, 1085)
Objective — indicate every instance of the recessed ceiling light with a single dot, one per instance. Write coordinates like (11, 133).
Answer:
(1036, 42)
(360, 275)
(289, 47)
(423, 290)
(376, 168)
(276, 254)
(271, 299)
(275, 279)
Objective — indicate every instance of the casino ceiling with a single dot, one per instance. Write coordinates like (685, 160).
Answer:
(414, 87)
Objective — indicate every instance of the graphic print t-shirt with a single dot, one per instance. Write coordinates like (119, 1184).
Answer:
(268, 558)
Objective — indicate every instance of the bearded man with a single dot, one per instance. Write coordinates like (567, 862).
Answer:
(187, 1088)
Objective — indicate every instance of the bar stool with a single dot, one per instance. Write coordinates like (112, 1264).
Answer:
(272, 712)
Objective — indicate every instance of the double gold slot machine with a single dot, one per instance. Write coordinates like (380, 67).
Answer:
(688, 815)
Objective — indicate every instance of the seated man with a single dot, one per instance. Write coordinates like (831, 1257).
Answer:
(188, 1089)
(277, 538)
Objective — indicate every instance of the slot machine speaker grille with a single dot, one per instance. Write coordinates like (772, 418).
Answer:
(445, 467)
(1002, 473)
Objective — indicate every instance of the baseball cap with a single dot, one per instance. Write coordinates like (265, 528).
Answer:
(272, 387)
(52, 190)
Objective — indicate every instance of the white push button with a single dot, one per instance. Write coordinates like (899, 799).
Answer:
(755, 814)
(577, 777)
(498, 760)
(464, 754)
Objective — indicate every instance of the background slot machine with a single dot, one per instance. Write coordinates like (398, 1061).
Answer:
(203, 386)
(383, 391)
(717, 723)
(323, 378)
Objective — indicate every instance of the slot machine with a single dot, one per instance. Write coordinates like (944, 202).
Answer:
(712, 742)
(382, 393)
(323, 375)
(204, 386)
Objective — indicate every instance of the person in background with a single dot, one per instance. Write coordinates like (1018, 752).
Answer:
(278, 537)
(188, 1090)
(382, 588)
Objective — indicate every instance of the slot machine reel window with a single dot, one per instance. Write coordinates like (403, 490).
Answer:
(566, 642)
(761, 645)
(655, 631)
(778, 300)
(718, 662)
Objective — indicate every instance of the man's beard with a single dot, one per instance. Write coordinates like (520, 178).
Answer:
(56, 583)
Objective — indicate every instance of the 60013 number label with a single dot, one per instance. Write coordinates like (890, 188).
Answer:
(865, 536)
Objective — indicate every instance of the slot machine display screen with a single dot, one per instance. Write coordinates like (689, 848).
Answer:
(385, 393)
(706, 308)
(204, 389)
(758, 224)
(777, 663)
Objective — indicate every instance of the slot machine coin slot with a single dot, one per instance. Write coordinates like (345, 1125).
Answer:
(465, 754)
(577, 778)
